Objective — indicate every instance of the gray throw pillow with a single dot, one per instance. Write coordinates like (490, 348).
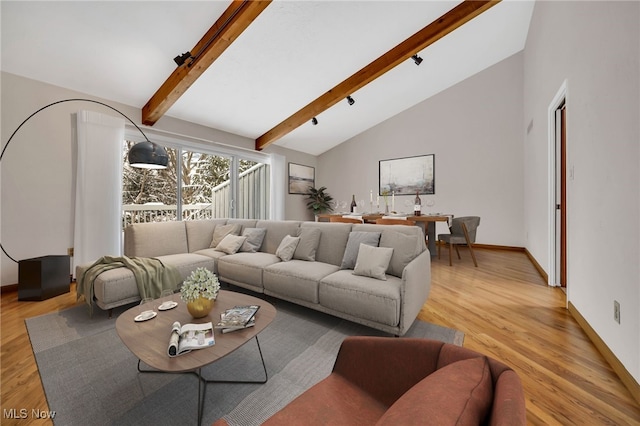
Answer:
(230, 244)
(255, 236)
(287, 247)
(221, 231)
(373, 261)
(353, 246)
(405, 249)
(309, 240)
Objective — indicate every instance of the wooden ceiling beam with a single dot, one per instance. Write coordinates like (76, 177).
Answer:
(433, 32)
(235, 19)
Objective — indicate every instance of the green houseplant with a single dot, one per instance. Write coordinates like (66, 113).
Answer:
(318, 200)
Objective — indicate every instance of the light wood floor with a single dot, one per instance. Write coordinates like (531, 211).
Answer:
(504, 308)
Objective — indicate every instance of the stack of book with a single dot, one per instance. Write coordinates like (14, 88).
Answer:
(237, 318)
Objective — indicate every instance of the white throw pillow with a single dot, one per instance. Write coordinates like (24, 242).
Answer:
(221, 231)
(230, 244)
(308, 244)
(373, 261)
(287, 247)
(353, 246)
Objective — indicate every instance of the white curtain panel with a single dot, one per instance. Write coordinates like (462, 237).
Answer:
(98, 203)
(278, 186)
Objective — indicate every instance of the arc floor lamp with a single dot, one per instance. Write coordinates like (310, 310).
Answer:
(145, 154)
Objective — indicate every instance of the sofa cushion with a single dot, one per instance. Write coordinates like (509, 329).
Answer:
(308, 244)
(212, 253)
(353, 247)
(373, 261)
(405, 249)
(460, 393)
(362, 297)
(230, 244)
(155, 239)
(244, 223)
(332, 401)
(187, 262)
(255, 236)
(332, 242)
(245, 268)
(287, 248)
(297, 279)
(276, 231)
(222, 231)
(200, 232)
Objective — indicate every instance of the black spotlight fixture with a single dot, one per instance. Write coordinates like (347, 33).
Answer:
(350, 100)
(417, 59)
(314, 121)
(181, 59)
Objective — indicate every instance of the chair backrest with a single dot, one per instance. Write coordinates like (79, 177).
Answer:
(344, 219)
(471, 222)
(395, 222)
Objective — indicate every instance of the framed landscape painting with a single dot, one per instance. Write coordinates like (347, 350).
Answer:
(301, 178)
(406, 176)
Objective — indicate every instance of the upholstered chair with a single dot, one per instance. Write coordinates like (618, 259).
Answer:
(463, 231)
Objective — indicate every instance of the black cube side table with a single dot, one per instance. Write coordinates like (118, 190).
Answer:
(43, 277)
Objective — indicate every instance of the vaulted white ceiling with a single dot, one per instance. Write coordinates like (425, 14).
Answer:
(291, 54)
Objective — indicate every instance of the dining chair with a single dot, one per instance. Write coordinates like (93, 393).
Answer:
(345, 219)
(396, 222)
(462, 231)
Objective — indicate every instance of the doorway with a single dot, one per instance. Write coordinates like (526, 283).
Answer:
(558, 189)
(561, 196)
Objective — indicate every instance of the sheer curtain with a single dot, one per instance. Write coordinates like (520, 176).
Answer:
(278, 186)
(98, 203)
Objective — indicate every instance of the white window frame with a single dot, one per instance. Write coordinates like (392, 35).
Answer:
(181, 143)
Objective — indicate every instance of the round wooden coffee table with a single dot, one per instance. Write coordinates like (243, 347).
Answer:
(149, 340)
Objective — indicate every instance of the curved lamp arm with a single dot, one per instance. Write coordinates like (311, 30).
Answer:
(145, 154)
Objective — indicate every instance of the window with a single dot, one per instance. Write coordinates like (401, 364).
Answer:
(211, 184)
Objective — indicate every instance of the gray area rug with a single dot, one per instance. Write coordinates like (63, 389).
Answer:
(90, 377)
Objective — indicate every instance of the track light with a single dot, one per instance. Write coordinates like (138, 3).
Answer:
(314, 121)
(350, 100)
(181, 59)
(417, 59)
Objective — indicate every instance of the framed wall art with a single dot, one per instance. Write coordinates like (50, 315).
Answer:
(301, 178)
(406, 176)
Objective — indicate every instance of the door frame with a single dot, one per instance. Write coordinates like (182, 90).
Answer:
(558, 101)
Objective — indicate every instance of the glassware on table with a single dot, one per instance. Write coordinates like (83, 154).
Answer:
(164, 295)
(146, 305)
(430, 203)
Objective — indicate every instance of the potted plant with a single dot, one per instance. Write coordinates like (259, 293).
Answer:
(318, 200)
(200, 290)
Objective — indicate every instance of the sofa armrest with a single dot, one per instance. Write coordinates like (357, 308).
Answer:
(386, 367)
(416, 285)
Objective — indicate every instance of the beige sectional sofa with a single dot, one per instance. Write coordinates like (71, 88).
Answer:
(314, 277)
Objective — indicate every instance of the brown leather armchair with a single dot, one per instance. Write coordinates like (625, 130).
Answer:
(398, 381)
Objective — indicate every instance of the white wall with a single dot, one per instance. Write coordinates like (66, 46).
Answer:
(595, 46)
(475, 129)
(37, 173)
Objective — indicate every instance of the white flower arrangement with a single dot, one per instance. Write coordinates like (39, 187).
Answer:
(201, 283)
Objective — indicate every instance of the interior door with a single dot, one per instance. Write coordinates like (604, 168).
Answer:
(561, 195)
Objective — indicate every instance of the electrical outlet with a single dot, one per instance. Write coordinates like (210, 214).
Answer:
(616, 311)
(70, 251)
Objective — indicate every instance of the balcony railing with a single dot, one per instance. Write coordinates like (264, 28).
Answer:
(252, 203)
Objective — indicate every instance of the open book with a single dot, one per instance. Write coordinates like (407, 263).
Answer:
(237, 318)
(190, 336)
